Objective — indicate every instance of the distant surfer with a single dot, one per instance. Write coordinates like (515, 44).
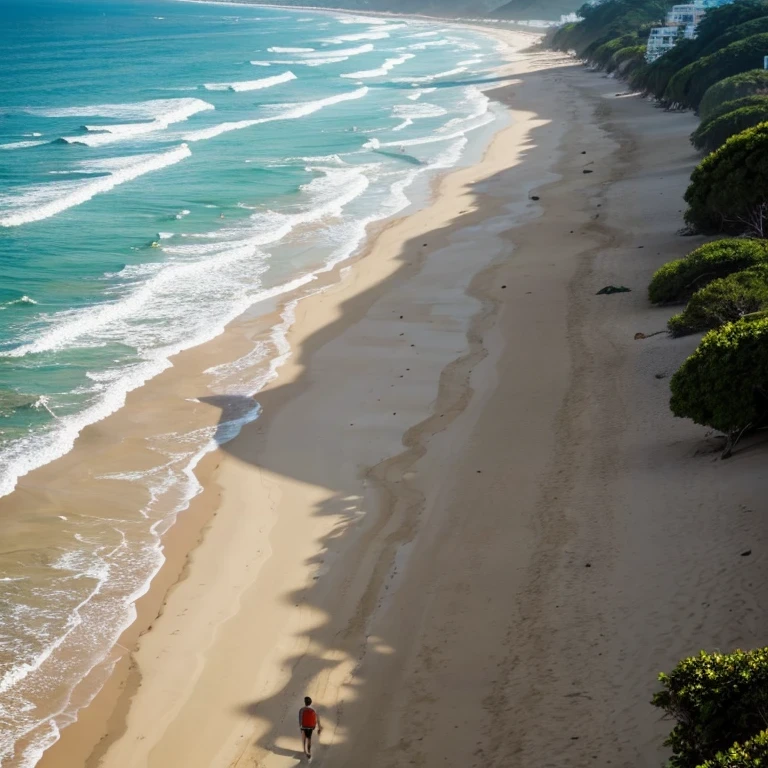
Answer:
(308, 721)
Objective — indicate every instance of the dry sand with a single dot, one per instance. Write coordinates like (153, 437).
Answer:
(466, 523)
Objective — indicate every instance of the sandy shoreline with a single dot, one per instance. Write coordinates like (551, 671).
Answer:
(462, 429)
(168, 399)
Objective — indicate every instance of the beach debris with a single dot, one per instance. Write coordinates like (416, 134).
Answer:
(660, 376)
(503, 287)
(583, 151)
(747, 553)
(587, 170)
(535, 197)
(609, 289)
(588, 565)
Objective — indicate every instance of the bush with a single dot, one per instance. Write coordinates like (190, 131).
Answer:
(751, 754)
(678, 280)
(627, 60)
(602, 22)
(604, 53)
(717, 700)
(754, 81)
(687, 86)
(714, 133)
(729, 188)
(739, 32)
(723, 301)
(731, 106)
(723, 385)
(654, 77)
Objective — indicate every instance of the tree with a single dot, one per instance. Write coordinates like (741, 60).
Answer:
(688, 85)
(750, 83)
(724, 385)
(716, 699)
(713, 133)
(750, 754)
(729, 188)
(739, 32)
(627, 60)
(678, 280)
(723, 301)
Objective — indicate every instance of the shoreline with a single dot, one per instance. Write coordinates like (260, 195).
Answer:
(191, 524)
(466, 495)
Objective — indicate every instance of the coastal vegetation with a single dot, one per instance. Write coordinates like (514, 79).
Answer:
(718, 701)
(722, 385)
(724, 300)
(729, 188)
(750, 83)
(728, 119)
(678, 280)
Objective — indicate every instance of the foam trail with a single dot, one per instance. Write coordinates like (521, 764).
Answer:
(430, 44)
(156, 109)
(277, 49)
(380, 32)
(252, 85)
(160, 114)
(366, 20)
(367, 48)
(410, 112)
(359, 36)
(291, 113)
(430, 78)
(22, 144)
(40, 203)
(386, 67)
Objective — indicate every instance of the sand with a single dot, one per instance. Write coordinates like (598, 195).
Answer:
(466, 522)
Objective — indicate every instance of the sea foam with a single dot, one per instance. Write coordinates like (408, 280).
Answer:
(158, 114)
(386, 67)
(46, 200)
(288, 112)
(252, 85)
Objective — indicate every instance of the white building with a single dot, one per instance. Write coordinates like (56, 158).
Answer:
(681, 24)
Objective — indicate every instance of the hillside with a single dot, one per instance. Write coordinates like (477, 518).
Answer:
(536, 9)
(436, 7)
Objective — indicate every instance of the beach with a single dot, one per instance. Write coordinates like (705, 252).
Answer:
(464, 521)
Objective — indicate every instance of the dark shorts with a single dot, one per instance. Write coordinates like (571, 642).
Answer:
(307, 732)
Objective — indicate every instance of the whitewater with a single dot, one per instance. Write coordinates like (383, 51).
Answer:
(179, 165)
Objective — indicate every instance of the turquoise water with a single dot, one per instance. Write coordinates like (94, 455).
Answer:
(164, 166)
(128, 130)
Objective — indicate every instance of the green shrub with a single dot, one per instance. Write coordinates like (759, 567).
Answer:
(754, 81)
(679, 280)
(750, 754)
(729, 188)
(688, 85)
(723, 301)
(604, 53)
(713, 134)
(739, 32)
(627, 60)
(753, 100)
(717, 700)
(723, 385)
(602, 22)
(654, 77)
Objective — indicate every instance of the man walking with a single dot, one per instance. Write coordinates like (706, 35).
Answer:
(308, 721)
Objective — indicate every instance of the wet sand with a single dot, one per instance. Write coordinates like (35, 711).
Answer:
(466, 500)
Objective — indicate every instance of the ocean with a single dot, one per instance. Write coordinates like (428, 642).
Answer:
(164, 166)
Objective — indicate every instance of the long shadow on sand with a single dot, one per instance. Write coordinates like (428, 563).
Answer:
(336, 639)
